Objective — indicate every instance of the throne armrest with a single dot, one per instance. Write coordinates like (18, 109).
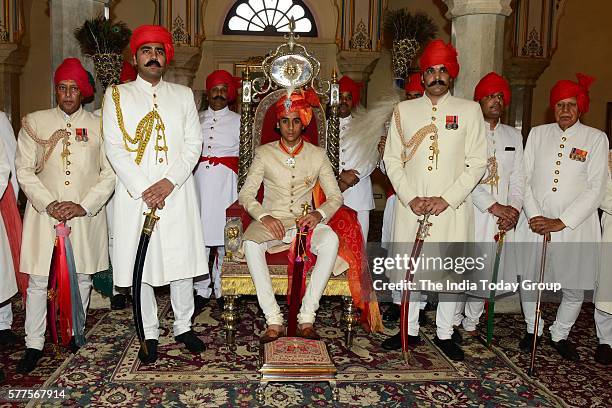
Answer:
(237, 211)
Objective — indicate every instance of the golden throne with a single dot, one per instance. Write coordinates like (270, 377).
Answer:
(289, 67)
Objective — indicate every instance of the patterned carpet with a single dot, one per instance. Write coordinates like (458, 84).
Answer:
(48, 364)
(107, 372)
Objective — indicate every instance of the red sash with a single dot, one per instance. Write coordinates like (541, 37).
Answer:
(231, 162)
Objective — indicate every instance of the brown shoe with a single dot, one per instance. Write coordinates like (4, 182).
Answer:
(271, 334)
(308, 332)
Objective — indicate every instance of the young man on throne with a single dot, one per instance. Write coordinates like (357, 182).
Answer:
(289, 170)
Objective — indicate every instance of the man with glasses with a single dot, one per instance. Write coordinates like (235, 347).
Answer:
(62, 168)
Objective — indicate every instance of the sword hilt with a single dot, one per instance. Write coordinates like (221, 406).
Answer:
(424, 225)
(150, 221)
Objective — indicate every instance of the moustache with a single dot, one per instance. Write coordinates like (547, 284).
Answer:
(437, 82)
(344, 105)
(153, 62)
(219, 98)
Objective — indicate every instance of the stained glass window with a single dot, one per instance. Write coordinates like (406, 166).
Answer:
(269, 17)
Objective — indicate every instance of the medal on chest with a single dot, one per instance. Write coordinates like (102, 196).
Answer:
(292, 152)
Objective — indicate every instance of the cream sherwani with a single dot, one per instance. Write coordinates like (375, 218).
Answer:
(358, 197)
(603, 289)
(175, 253)
(459, 168)
(505, 143)
(286, 189)
(217, 185)
(559, 185)
(85, 177)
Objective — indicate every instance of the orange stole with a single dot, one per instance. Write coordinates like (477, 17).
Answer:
(352, 249)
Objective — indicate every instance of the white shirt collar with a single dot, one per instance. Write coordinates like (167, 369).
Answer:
(345, 121)
(570, 129)
(442, 99)
(147, 85)
(68, 117)
(221, 112)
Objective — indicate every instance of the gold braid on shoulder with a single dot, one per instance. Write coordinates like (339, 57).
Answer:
(47, 145)
(415, 141)
(143, 131)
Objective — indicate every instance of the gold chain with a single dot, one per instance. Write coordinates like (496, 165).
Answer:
(415, 141)
(48, 145)
(143, 131)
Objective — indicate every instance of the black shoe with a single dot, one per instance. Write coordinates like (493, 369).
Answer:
(450, 348)
(151, 356)
(220, 303)
(457, 337)
(191, 341)
(566, 349)
(72, 346)
(8, 337)
(526, 342)
(29, 360)
(603, 355)
(118, 301)
(395, 342)
(392, 314)
(423, 320)
(199, 303)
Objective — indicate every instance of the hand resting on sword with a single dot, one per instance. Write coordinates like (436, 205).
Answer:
(428, 205)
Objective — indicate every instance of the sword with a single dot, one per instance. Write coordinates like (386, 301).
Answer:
(538, 313)
(297, 276)
(499, 237)
(422, 233)
(141, 254)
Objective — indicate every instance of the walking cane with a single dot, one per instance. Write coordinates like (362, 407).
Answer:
(538, 313)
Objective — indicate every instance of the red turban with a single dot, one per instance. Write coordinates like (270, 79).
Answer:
(128, 73)
(566, 89)
(413, 84)
(301, 102)
(152, 34)
(491, 84)
(221, 76)
(348, 85)
(72, 70)
(437, 53)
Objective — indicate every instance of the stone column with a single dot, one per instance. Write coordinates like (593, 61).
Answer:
(66, 16)
(358, 65)
(522, 73)
(12, 60)
(478, 35)
(184, 66)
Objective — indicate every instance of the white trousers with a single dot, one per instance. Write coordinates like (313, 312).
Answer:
(396, 297)
(201, 284)
(445, 313)
(468, 312)
(36, 307)
(567, 313)
(181, 296)
(603, 323)
(6, 316)
(363, 217)
(324, 244)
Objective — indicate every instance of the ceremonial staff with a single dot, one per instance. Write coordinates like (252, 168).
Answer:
(422, 233)
(499, 237)
(297, 274)
(141, 254)
(538, 312)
